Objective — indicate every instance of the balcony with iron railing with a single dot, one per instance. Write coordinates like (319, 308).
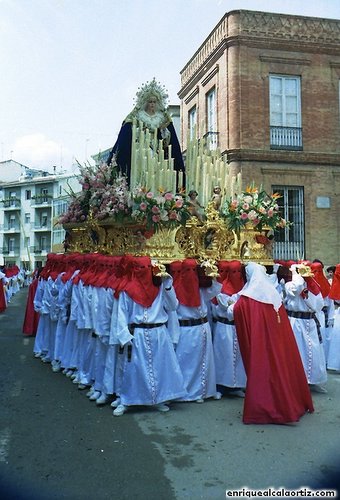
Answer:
(42, 226)
(288, 138)
(11, 203)
(10, 228)
(39, 250)
(10, 250)
(41, 200)
(211, 139)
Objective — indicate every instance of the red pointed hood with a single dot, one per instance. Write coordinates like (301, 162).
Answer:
(320, 278)
(187, 284)
(140, 287)
(234, 280)
(334, 293)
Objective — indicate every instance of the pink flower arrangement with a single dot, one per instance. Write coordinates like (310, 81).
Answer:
(75, 212)
(104, 194)
(255, 207)
(164, 210)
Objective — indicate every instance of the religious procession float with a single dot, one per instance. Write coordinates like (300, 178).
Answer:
(147, 205)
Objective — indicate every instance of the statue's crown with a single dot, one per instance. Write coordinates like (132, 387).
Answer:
(149, 89)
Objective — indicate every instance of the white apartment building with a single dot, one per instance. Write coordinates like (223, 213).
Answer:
(29, 209)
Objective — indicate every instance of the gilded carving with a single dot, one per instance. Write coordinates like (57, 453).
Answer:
(209, 240)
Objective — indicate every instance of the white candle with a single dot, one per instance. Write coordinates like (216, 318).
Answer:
(141, 135)
(133, 159)
(197, 174)
(161, 182)
(203, 181)
(156, 173)
(169, 151)
(174, 177)
(239, 182)
(155, 141)
(180, 180)
(147, 139)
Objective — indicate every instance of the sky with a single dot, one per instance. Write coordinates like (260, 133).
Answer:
(70, 69)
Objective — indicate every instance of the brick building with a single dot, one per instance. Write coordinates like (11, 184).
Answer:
(265, 89)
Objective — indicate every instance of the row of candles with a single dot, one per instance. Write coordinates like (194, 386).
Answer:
(149, 168)
(205, 168)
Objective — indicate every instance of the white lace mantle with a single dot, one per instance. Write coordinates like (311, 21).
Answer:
(150, 121)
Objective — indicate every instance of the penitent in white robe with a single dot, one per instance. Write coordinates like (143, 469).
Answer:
(152, 375)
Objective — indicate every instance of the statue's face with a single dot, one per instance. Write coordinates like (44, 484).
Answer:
(151, 105)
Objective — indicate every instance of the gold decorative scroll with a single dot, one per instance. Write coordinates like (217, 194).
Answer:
(208, 240)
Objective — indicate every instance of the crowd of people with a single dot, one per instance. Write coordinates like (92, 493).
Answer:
(134, 334)
(12, 278)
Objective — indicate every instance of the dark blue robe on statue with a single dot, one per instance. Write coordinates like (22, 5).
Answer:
(122, 149)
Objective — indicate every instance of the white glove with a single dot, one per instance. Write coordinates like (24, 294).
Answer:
(167, 280)
(129, 342)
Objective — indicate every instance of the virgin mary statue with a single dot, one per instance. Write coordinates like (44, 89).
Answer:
(152, 112)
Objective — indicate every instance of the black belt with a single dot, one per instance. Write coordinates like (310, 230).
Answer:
(193, 322)
(301, 315)
(325, 311)
(307, 315)
(132, 328)
(68, 312)
(223, 320)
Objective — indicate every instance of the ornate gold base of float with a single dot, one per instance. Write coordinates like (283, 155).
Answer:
(208, 239)
(252, 245)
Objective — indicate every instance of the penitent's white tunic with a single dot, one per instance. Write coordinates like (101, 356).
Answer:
(77, 336)
(194, 350)
(305, 330)
(64, 305)
(42, 304)
(69, 318)
(228, 361)
(114, 361)
(328, 311)
(333, 359)
(53, 313)
(102, 305)
(43, 318)
(153, 374)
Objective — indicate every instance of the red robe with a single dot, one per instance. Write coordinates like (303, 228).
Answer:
(277, 391)
(2, 297)
(31, 316)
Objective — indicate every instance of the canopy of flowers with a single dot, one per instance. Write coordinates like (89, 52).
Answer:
(256, 207)
(166, 209)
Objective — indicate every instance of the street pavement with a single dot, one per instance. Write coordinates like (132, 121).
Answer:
(56, 444)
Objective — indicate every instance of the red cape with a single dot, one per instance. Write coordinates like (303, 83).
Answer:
(277, 390)
(31, 316)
